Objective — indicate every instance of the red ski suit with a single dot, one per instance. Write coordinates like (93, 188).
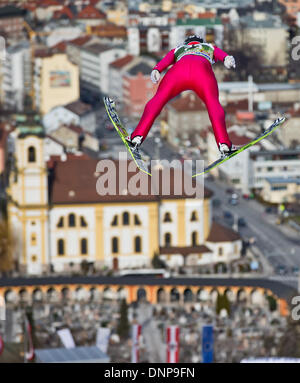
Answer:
(191, 72)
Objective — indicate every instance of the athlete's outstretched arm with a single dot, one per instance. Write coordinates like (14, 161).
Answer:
(166, 61)
(219, 55)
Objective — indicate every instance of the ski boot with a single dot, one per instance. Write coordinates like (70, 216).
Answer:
(225, 150)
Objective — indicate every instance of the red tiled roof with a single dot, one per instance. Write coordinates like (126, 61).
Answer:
(78, 175)
(90, 12)
(188, 103)
(119, 63)
(48, 3)
(237, 139)
(79, 41)
(245, 115)
(206, 15)
(65, 11)
(78, 107)
(233, 106)
(59, 47)
(220, 233)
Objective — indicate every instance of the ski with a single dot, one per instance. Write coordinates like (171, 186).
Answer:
(276, 123)
(114, 118)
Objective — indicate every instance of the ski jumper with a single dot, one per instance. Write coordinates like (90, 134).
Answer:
(192, 70)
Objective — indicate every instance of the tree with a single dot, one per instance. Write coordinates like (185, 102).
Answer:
(6, 247)
(222, 302)
(157, 263)
(123, 326)
(272, 303)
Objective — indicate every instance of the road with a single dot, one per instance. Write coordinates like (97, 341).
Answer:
(152, 338)
(281, 246)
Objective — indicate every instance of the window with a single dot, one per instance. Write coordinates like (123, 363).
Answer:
(83, 246)
(60, 222)
(194, 216)
(125, 218)
(61, 247)
(33, 239)
(71, 220)
(115, 221)
(136, 220)
(31, 154)
(137, 244)
(83, 222)
(33, 258)
(167, 217)
(115, 245)
(168, 239)
(220, 251)
(194, 238)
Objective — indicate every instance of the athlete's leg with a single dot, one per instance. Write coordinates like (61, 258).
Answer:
(206, 87)
(173, 83)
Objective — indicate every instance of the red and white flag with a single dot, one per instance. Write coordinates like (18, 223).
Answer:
(172, 344)
(1, 345)
(29, 354)
(135, 337)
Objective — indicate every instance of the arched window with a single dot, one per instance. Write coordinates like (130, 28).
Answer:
(31, 154)
(167, 217)
(194, 238)
(136, 220)
(71, 220)
(83, 222)
(125, 218)
(194, 216)
(115, 245)
(60, 222)
(137, 244)
(220, 251)
(33, 239)
(61, 247)
(168, 239)
(115, 221)
(83, 246)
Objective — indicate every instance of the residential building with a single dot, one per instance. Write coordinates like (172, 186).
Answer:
(11, 22)
(16, 76)
(281, 190)
(94, 71)
(187, 117)
(73, 138)
(289, 135)
(261, 30)
(65, 218)
(76, 113)
(211, 29)
(91, 16)
(137, 88)
(56, 80)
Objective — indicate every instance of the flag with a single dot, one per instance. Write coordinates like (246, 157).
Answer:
(1, 345)
(207, 344)
(29, 350)
(135, 336)
(102, 338)
(66, 338)
(172, 344)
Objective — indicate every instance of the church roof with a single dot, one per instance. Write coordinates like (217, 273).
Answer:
(76, 180)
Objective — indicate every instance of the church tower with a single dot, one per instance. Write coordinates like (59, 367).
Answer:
(28, 196)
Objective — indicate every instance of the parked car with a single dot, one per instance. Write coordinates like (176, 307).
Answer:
(229, 191)
(271, 210)
(228, 215)
(242, 222)
(216, 202)
(233, 201)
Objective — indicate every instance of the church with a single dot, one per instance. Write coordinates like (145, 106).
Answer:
(59, 220)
